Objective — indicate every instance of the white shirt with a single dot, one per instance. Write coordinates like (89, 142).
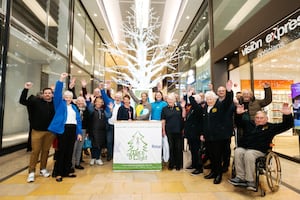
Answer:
(113, 118)
(71, 115)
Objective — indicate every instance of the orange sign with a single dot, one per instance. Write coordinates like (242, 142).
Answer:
(275, 84)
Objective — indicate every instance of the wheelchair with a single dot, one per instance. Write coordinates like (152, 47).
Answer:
(268, 165)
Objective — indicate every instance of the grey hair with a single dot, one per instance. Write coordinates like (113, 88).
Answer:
(68, 93)
(210, 94)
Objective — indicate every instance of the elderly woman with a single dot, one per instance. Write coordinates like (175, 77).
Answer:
(215, 129)
(66, 124)
(172, 125)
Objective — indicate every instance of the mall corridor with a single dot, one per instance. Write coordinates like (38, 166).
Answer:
(100, 182)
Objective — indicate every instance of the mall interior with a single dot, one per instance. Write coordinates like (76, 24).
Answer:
(247, 41)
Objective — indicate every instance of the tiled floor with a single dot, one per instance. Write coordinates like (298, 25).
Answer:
(100, 182)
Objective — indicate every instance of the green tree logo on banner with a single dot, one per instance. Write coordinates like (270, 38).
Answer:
(137, 147)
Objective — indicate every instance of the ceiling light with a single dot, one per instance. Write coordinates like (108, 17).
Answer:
(40, 13)
(241, 14)
(142, 8)
(225, 58)
(95, 15)
(187, 17)
(236, 52)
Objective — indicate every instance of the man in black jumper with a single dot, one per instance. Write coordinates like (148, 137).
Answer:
(258, 136)
(42, 112)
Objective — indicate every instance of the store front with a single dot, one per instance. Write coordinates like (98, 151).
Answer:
(273, 56)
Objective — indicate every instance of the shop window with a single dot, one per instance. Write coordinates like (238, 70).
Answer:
(27, 60)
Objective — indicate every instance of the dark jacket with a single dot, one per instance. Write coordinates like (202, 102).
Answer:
(193, 123)
(260, 137)
(123, 113)
(257, 104)
(217, 124)
(41, 111)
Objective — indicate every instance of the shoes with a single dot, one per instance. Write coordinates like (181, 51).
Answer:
(218, 179)
(236, 181)
(207, 166)
(197, 172)
(78, 167)
(71, 175)
(177, 168)
(92, 162)
(99, 162)
(30, 177)
(170, 168)
(251, 186)
(108, 158)
(58, 179)
(210, 175)
(190, 167)
(44, 173)
(86, 152)
(225, 169)
(72, 170)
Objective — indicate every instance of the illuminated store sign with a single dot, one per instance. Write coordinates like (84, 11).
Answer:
(274, 35)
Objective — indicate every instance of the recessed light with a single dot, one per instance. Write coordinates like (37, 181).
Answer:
(204, 17)
(225, 58)
(95, 15)
(187, 17)
(236, 52)
(79, 14)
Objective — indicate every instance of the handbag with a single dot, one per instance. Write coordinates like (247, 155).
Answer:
(165, 148)
(87, 143)
(187, 155)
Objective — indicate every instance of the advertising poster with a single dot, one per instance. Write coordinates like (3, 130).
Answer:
(296, 104)
(137, 146)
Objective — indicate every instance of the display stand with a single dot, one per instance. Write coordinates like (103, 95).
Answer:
(137, 146)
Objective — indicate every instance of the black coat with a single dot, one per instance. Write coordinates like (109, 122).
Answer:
(218, 123)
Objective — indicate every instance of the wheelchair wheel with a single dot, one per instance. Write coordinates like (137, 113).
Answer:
(273, 171)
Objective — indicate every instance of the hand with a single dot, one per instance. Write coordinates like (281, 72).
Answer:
(182, 103)
(108, 85)
(28, 85)
(83, 83)
(72, 83)
(202, 138)
(101, 85)
(229, 85)
(79, 137)
(240, 109)
(111, 106)
(266, 85)
(286, 109)
(63, 76)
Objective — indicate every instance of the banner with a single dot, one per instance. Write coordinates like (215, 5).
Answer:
(137, 145)
(296, 104)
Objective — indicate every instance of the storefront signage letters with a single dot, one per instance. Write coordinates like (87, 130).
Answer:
(276, 34)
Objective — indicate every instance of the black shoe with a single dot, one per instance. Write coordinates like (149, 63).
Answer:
(197, 172)
(71, 175)
(170, 168)
(207, 166)
(177, 168)
(210, 175)
(190, 167)
(86, 152)
(78, 167)
(218, 179)
(58, 179)
(108, 158)
(72, 170)
(225, 169)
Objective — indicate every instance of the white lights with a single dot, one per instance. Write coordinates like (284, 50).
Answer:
(40, 13)
(142, 8)
(241, 14)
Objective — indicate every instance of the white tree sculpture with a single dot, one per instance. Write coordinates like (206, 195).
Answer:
(146, 61)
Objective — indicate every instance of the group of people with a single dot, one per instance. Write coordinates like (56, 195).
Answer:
(204, 119)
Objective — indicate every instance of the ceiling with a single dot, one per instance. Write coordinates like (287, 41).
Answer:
(104, 17)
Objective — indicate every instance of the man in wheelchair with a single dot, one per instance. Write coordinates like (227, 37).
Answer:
(255, 142)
